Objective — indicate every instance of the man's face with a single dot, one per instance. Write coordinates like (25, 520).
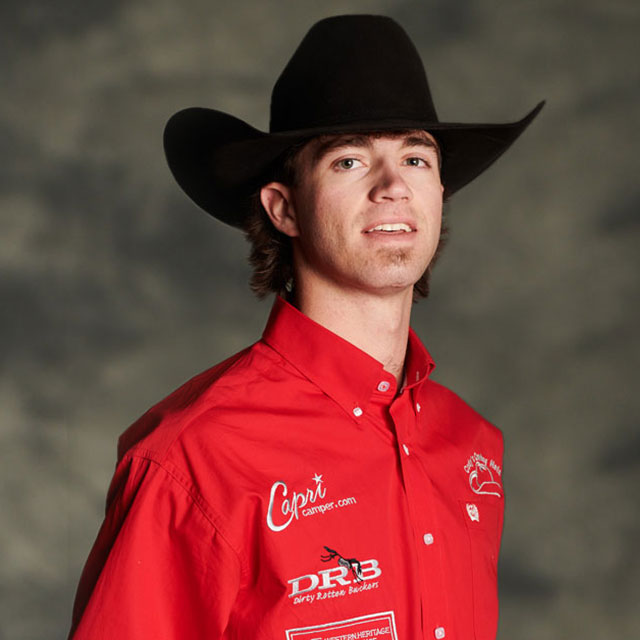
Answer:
(365, 212)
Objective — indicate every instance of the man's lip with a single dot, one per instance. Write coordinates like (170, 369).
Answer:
(410, 223)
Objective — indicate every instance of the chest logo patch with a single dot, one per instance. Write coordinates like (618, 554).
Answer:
(286, 506)
(374, 625)
(472, 511)
(350, 577)
(484, 475)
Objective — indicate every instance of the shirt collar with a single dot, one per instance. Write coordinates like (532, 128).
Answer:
(341, 370)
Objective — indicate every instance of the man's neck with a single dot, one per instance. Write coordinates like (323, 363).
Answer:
(378, 325)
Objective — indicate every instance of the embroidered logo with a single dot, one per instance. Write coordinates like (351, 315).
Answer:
(373, 625)
(349, 577)
(482, 475)
(349, 563)
(285, 507)
(473, 512)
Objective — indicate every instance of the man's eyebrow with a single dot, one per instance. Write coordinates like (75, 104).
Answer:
(416, 141)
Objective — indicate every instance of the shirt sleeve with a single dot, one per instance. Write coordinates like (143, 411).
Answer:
(159, 567)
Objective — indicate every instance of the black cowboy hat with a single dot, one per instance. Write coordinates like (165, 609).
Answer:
(350, 73)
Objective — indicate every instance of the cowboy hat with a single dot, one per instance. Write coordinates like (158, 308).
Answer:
(350, 73)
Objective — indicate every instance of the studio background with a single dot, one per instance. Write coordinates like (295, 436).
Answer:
(116, 289)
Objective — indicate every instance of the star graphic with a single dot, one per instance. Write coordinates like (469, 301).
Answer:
(317, 478)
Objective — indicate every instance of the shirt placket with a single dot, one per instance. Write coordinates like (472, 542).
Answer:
(405, 414)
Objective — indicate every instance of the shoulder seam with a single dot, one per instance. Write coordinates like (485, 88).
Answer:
(203, 506)
(204, 410)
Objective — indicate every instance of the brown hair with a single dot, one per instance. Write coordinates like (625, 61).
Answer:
(271, 254)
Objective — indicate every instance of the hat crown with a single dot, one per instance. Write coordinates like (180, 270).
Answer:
(351, 69)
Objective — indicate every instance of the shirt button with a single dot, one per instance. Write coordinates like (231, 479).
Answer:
(406, 449)
(357, 412)
(428, 538)
(418, 407)
(384, 386)
(439, 633)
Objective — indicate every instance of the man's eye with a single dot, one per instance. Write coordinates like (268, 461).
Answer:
(417, 162)
(347, 163)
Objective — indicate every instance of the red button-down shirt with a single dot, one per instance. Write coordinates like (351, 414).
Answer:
(292, 492)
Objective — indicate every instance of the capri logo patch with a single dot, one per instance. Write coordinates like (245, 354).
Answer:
(286, 506)
(484, 475)
(375, 625)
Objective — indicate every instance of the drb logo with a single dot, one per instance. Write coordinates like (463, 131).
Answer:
(332, 578)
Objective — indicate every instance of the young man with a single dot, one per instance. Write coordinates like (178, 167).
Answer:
(317, 484)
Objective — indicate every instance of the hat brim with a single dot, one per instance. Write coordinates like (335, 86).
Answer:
(220, 161)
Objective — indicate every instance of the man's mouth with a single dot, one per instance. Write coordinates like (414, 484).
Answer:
(391, 227)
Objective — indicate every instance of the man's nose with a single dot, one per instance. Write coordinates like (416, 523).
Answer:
(389, 184)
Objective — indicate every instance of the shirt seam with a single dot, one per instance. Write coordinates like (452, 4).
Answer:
(222, 392)
(198, 500)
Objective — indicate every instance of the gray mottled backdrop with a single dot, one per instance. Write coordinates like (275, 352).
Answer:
(115, 288)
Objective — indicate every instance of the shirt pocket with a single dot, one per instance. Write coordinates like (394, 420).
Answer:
(482, 520)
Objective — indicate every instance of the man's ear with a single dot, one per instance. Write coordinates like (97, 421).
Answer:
(276, 198)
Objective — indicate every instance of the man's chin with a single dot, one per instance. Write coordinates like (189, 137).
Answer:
(391, 286)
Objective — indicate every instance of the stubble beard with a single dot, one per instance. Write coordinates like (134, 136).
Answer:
(394, 257)
(394, 263)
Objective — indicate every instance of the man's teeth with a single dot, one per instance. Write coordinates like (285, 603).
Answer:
(398, 226)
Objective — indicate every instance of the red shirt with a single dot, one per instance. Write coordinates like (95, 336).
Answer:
(291, 493)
